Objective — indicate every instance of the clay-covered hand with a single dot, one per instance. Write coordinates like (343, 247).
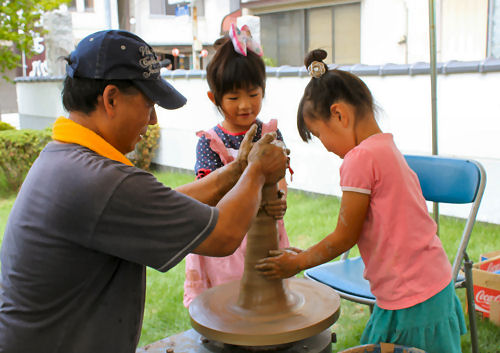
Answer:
(276, 208)
(281, 263)
(245, 147)
(287, 151)
(270, 158)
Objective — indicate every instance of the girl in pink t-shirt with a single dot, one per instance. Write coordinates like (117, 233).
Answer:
(383, 211)
(237, 80)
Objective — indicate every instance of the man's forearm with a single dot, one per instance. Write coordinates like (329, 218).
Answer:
(211, 188)
(237, 209)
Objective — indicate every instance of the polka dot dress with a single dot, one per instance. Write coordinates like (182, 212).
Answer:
(207, 160)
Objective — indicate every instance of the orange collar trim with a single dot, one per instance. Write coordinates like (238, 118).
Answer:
(66, 130)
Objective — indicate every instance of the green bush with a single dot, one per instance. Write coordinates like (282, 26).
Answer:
(6, 126)
(18, 151)
(269, 61)
(146, 148)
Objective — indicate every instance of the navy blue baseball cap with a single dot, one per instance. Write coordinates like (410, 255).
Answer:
(121, 55)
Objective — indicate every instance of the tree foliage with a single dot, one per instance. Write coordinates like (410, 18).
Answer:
(19, 25)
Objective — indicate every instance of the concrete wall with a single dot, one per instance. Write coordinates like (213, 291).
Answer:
(468, 116)
(8, 102)
(39, 101)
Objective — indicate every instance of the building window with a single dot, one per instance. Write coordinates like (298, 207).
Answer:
(200, 8)
(282, 37)
(162, 7)
(89, 5)
(494, 29)
(287, 36)
(81, 5)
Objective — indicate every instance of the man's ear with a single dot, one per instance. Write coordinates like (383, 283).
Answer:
(109, 98)
(211, 96)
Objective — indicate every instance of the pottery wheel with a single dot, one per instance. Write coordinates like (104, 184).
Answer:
(257, 311)
(312, 308)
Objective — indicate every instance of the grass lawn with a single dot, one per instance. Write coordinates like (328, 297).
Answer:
(308, 219)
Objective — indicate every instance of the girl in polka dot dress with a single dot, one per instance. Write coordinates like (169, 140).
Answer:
(237, 81)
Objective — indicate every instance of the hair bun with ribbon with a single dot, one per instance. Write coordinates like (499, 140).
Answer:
(243, 41)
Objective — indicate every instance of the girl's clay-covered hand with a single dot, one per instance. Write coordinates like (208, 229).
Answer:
(246, 147)
(271, 159)
(282, 263)
(276, 208)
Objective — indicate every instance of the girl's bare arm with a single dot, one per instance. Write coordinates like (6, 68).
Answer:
(352, 214)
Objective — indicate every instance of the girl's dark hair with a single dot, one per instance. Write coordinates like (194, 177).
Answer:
(80, 94)
(333, 86)
(229, 70)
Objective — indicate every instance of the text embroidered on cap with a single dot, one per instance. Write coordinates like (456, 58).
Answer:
(149, 61)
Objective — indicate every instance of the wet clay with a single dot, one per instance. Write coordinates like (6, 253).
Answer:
(257, 311)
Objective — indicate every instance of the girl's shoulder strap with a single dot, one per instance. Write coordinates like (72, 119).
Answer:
(216, 145)
(270, 126)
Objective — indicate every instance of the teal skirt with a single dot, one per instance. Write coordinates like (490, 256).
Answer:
(434, 325)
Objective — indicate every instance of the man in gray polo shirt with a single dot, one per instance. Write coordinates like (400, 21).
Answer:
(86, 222)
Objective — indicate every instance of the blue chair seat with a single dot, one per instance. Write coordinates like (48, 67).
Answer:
(345, 276)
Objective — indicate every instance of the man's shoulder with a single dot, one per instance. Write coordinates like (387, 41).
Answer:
(77, 169)
(68, 156)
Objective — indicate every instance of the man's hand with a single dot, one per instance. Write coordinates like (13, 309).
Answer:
(271, 159)
(282, 263)
(245, 147)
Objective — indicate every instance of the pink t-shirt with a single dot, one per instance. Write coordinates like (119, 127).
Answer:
(405, 262)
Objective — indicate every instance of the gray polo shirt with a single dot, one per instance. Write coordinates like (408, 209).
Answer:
(77, 241)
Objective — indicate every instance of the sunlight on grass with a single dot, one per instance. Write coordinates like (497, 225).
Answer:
(5, 206)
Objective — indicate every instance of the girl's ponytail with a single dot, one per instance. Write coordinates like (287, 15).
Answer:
(327, 87)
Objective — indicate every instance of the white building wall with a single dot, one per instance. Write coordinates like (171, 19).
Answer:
(383, 26)
(468, 124)
(172, 30)
(159, 29)
(85, 23)
(405, 112)
(462, 36)
(461, 30)
(392, 31)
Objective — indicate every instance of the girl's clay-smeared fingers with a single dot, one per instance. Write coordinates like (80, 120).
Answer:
(250, 134)
(266, 269)
(246, 146)
(295, 250)
(276, 211)
(274, 253)
(268, 138)
(263, 266)
(277, 203)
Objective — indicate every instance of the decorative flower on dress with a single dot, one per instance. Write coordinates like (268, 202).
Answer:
(316, 69)
(242, 40)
